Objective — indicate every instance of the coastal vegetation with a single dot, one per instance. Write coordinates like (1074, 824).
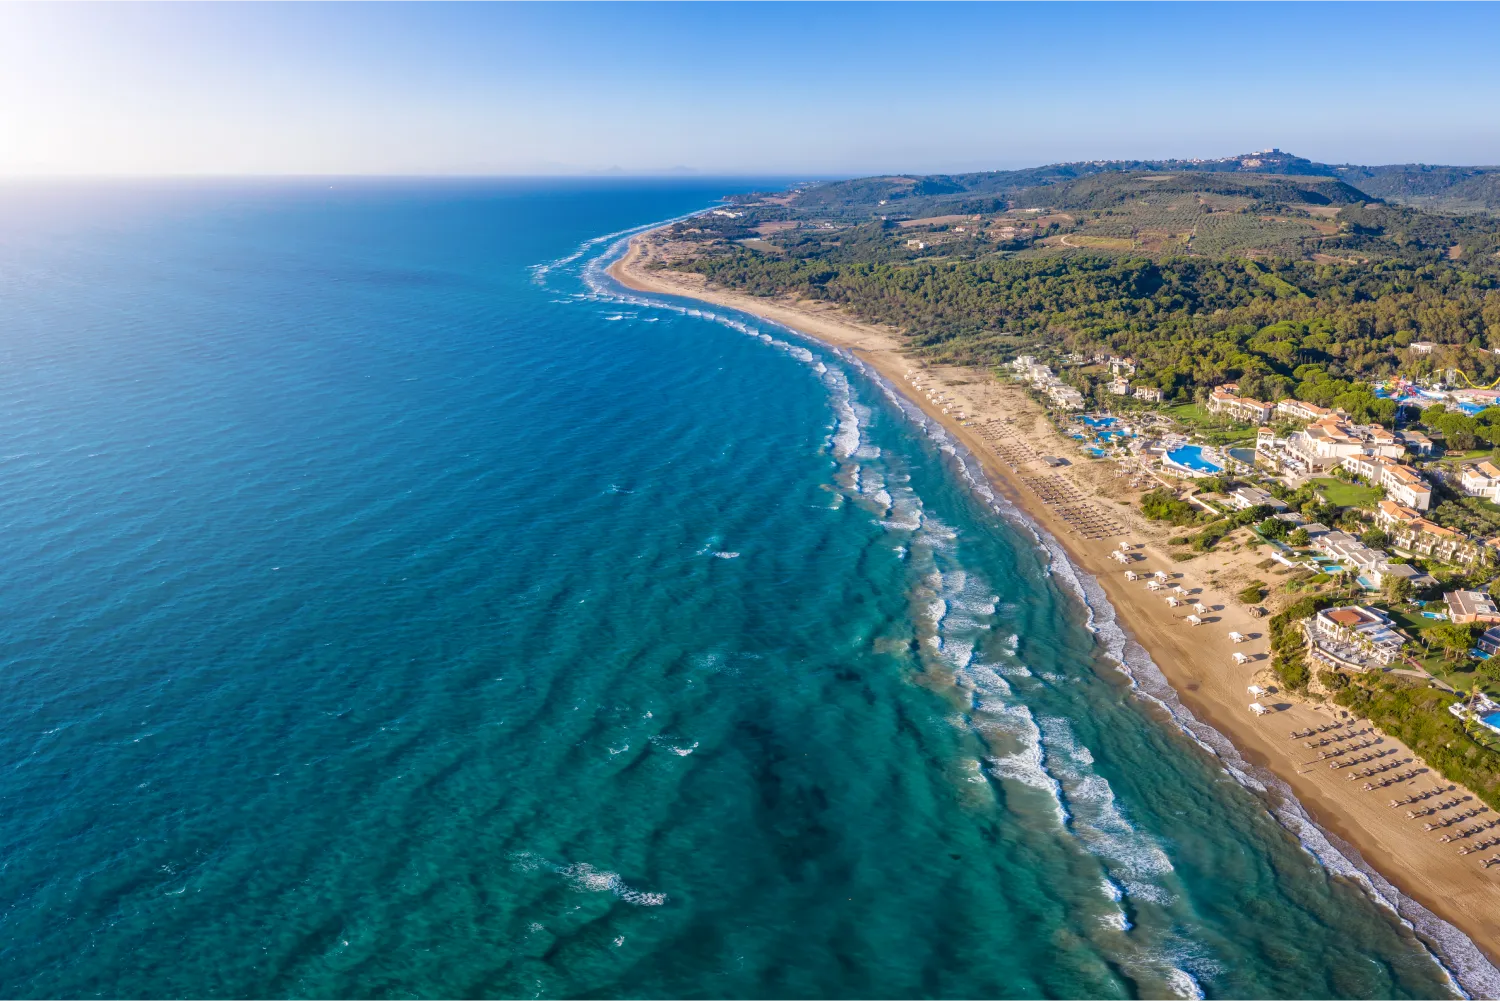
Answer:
(1288, 654)
(1294, 284)
(1417, 716)
(1293, 279)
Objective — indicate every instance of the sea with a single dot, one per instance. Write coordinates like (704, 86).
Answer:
(391, 605)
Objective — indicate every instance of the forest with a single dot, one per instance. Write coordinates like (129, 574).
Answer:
(1276, 326)
(1293, 284)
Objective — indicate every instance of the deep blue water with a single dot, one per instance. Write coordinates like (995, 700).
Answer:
(385, 615)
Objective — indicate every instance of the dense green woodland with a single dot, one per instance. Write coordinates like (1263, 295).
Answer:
(1266, 268)
(1188, 322)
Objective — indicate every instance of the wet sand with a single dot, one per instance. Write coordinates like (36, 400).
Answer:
(1085, 506)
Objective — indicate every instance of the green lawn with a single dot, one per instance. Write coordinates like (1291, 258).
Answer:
(1217, 430)
(1347, 494)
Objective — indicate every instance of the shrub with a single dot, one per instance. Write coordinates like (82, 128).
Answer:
(1333, 680)
(1162, 504)
(1287, 658)
(1274, 528)
(1418, 716)
(1254, 593)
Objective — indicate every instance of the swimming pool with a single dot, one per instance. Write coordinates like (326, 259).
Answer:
(1098, 422)
(1191, 457)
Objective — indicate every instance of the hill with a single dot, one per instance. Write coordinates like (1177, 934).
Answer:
(1441, 188)
(909, 196)
(1274, 271)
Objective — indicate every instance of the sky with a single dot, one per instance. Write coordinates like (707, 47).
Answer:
(734, 89)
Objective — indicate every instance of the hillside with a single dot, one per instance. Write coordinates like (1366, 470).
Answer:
(1292, 283)
(1438, 188)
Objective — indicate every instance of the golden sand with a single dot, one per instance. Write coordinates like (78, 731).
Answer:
(1086, 506)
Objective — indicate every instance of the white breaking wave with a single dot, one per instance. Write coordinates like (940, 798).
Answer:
(584, 877)
(1183, 985)
(1455, 953)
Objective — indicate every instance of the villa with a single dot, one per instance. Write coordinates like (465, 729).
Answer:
(1481, 480)
(1247, 497)
(1478, 708)
(1471, 606)
(1148, 393)
(1355, 637)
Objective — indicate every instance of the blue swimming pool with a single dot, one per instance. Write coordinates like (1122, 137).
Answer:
(1191, 457)
(1097, 453)
(1098, 422)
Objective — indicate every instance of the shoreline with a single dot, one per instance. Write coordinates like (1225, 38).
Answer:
(1193, 663)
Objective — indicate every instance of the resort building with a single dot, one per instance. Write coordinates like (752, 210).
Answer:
(1324, 444)
(1224, 400)
(1481, 480)
(1402, 483)
(1119, 387)
(1122, 367)
(1247, 497)
(1065, 396)
(1416, 536)
(1478, 708)
(1490, 641)
(1405, 485)
(1349, 551)
(1377, 577)
(1471, 606)
(1354, 637)
(1150, 393)
(1416, 441)
(1298, 410)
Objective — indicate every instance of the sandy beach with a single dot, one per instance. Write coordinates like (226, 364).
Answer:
(1087, 507)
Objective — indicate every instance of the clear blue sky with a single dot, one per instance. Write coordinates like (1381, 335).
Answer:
(731, 88)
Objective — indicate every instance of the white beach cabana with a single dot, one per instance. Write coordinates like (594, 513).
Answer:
(1131, 575)
(1240, 658)
(1162, 575)
(1201, 608)
(1259, 709)
(1154, 585)
(1172, 601)
(1256, 691)
(1235, 637)
(1193, 620)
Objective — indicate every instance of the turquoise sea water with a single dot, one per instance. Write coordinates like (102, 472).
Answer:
(392, 608)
